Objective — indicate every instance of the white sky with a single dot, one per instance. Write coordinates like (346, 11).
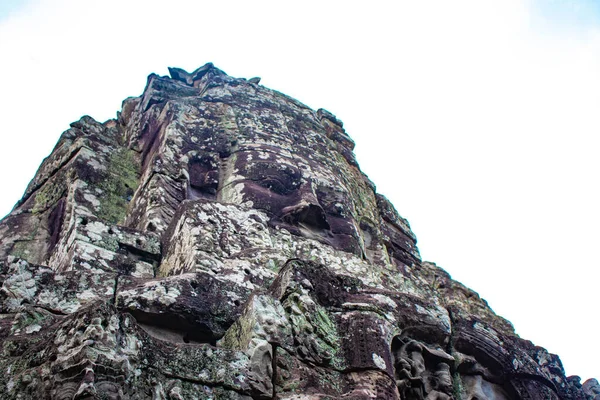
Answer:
(478, 119)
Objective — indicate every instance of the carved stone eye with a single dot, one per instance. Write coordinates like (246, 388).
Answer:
(275, 185)
(280, 179)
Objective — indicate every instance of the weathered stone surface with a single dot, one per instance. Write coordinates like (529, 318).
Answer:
(219, 241)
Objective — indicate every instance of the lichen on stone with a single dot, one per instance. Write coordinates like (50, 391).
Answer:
(118, 186)
(218, 240)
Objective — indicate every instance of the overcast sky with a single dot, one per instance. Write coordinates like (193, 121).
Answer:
(478, 119)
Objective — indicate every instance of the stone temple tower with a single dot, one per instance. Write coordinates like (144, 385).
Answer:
(218, 240)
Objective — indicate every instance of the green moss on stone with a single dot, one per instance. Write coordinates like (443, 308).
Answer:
(457, 389)
(238, 336)
(119, 185)
(325, 327)
(48, 195)
(20, 250)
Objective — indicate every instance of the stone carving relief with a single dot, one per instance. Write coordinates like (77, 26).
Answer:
(219, 241)
(421, 372)
(478, 383)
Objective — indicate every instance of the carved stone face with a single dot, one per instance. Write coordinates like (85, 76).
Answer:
(297, 197)
(418, 363)
(443, 378)
(254, 260)
(477, 388)
(421, 372)
(478, 382)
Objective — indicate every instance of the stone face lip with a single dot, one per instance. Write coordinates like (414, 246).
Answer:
(219, 241)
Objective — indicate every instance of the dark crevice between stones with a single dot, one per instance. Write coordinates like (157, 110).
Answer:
(55, 222)
(136, 254)
(456, 381)
(115, 290)
(274, 369)
(150, 135)
(174, 328)
(51, 311)
(451, 339)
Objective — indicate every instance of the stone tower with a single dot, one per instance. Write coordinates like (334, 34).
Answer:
(219, 241)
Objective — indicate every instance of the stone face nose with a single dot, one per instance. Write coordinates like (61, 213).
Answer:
(306, 214)
(313, 216)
